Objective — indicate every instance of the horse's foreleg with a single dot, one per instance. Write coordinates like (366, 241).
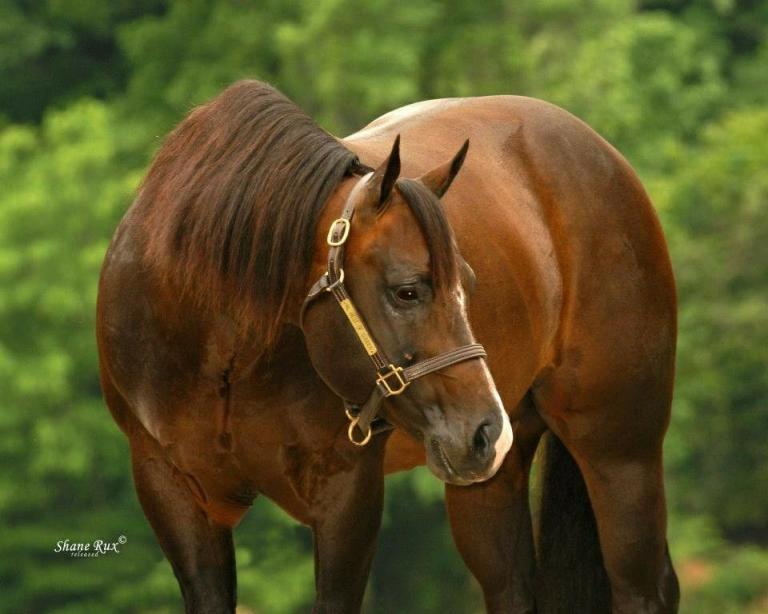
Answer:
(347, 515)
(491, 526)
(200, 553)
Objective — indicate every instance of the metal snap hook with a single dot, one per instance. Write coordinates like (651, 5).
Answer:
(351, 434)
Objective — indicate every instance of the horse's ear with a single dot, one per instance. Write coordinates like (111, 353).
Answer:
(439, 179)
(384, 177)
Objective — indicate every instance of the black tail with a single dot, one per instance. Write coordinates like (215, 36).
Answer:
(571, 578)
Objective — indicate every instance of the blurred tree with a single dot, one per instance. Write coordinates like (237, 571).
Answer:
(677, 85)
(644, 83)
(189, 54)
(62, 193)
(716, 208)
(346, 62)
(474, 49)
(56, 51)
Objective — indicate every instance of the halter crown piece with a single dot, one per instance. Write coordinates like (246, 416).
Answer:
(391, 379)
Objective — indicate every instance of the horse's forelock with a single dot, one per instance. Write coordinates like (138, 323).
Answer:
(430, 216)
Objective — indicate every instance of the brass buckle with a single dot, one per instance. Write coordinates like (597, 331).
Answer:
(344, 233)
(351, 433)
(383, 380)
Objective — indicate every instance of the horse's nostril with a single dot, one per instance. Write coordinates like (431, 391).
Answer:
(481, 442)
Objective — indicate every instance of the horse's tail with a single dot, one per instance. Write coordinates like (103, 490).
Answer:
(571, 577)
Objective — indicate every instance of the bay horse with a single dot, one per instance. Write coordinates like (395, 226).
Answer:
(285, 313)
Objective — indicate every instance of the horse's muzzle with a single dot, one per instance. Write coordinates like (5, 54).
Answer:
(474, 458)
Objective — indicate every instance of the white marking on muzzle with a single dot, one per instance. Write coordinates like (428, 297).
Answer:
(504, 441)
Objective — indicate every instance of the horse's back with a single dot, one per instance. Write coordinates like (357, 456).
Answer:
(536, 177)
(575, 287)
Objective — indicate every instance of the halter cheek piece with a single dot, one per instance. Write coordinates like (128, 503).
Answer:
(391, 379)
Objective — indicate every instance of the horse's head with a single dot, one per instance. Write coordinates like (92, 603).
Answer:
(408, 288)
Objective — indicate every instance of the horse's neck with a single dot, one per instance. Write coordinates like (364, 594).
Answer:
(281, 374)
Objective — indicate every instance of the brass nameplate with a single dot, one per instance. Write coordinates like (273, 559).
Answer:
(357, 324)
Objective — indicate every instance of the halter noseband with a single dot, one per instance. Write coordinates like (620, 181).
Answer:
(391, 379)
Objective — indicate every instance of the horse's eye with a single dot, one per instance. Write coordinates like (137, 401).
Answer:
(407, 294)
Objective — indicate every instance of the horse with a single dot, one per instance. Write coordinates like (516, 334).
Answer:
(288, 314)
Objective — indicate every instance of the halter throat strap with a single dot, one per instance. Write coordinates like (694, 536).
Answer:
(391, 379)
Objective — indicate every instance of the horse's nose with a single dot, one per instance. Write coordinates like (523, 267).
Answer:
(483, 439)
(476, 454)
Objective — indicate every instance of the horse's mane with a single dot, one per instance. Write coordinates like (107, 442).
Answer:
(231, 202)
(232, 199)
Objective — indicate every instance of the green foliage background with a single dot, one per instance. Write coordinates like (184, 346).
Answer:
(88, 88)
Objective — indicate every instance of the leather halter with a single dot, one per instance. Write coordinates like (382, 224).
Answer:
(391, 380)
